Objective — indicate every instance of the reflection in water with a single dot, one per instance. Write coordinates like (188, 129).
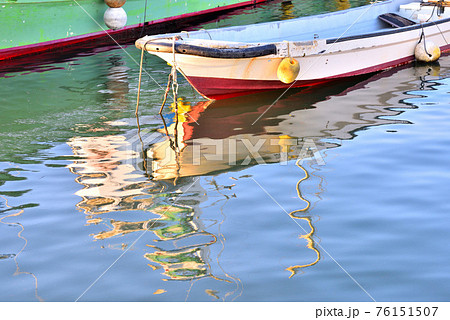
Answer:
(114, 180)
(342, 5)
(15, 256)
(117, 85)
(142, 172)
(276, 10)
(182, 246)
(299, 215)
(101, 171)
(287, 10)
(6, 256)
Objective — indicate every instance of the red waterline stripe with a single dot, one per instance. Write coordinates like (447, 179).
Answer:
(125, 34)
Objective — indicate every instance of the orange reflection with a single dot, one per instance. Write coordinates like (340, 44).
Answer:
(342, 4)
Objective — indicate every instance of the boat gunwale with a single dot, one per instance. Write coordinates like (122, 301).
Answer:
(237, 52)
(387, 31)
(252, 50)
(278, 44)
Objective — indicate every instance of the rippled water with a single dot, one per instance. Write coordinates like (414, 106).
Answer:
(92, 209)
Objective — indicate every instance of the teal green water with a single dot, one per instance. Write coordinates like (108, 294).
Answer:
(85, 215)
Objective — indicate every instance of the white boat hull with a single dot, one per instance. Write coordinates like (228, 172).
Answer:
(321, 60)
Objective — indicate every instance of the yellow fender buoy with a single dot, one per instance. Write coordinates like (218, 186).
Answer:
(427, 51)
(288, 70)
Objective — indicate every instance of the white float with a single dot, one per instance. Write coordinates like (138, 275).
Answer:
(115, 18)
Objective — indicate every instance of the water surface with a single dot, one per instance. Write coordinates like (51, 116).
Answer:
(88, 211)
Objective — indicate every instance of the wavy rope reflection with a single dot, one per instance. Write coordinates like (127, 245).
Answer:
(19, 235)
(237, 281)
(309, 236)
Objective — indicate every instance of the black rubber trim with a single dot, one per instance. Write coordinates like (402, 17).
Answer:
(391, 31)
(224, 53)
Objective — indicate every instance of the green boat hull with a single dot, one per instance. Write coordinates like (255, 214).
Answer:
(31, 26)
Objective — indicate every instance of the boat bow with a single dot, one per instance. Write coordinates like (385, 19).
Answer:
(206, 48)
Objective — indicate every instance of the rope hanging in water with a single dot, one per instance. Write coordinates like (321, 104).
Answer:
(172, 82)
(140, 77)
(175, 94)
(422, 36)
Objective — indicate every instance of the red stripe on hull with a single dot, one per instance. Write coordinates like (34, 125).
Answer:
(221, 88)
(122, 36)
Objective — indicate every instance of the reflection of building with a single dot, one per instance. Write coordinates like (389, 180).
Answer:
(174, 222)
(184, 264)
(104, 176)
(106, 169)
(117, 84)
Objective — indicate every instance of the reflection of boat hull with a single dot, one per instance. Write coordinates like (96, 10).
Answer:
(229, 65)
(216, 135)
(79, 24)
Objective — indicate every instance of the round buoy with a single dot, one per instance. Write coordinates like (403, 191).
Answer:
(115, 3)
(427, 51)
(288, 70)
(115, 18)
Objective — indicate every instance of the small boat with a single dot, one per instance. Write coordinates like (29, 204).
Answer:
(227, 62)
(29, 27)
